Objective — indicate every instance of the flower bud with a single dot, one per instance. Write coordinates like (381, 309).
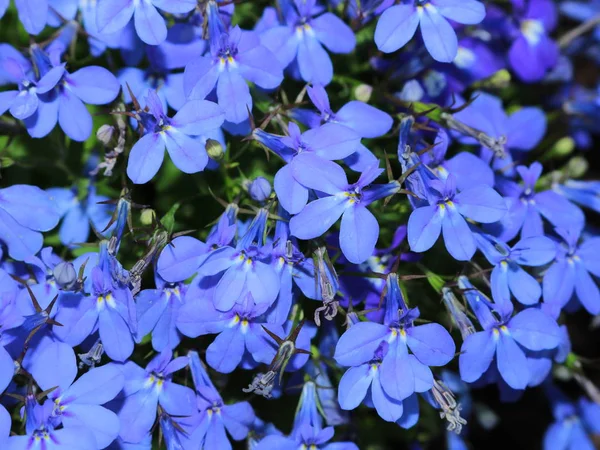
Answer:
(214, 149)
(259, 189)
(65, 275)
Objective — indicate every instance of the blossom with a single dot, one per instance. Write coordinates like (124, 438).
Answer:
(446, 213)
(302, 37)
(398, 24)
(570, 272)
(235, 56)
(25, 211)
(114, 15)
(175, 134)
(344, 199)
(145, 389)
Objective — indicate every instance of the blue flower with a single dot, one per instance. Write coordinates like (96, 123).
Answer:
(235, 56)
(526, 207)
(345, 200)
(504, 339)
(303, 36)
(533, 52)
(570, 272)
(24, 212)
(146, 389)
(114, 15)
(446, 214)
(78, 214)
(176, 134)
(329, 142)
(400, 373)
(78, 402)
(158, 311)
(398, 24)
(508, 276)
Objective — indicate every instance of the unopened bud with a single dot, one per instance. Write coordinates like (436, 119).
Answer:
(259, 189)
(363, 92)
(65, 275)
(214, 149)
(147, 216)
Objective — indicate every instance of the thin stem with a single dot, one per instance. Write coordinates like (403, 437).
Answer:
(586, 26)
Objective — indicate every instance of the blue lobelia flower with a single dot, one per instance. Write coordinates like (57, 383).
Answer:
(522, 131)
(109, 309)
(446, 214)
(398, 24)
(213, 416)
(235, 56)
(64, 100)
(570, 273)
(175, 134)
(468, 169)
(114, 15)
(158, 312)
(329, 142)
(508, 276)
(33, 14)
(526, 207)
(382, 351)
(306, 437)
(41, 434)
(241, 337)
(244, 268)
(349, 201)
(24, 212)
(15, 69)
(77, 403)
(574, 425)
(182, 257)
(79, 213)
(505, 339)
(303, 36)
(146, 389)
(365, 120)
(533, 52)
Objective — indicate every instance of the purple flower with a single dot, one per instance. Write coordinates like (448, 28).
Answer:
(175, 134)
(307, 437)
(446, 214)
(114, 15)
(359, 230)
(398, 24)
(235, 56)
(303, 36)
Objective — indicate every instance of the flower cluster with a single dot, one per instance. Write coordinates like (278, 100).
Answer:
(379, 207)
